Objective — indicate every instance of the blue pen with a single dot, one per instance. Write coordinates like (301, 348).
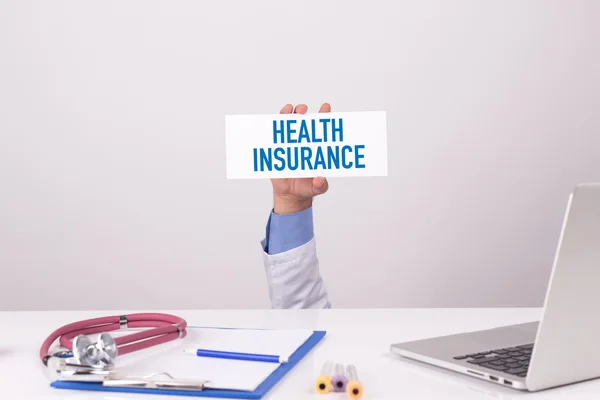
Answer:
(236, 356)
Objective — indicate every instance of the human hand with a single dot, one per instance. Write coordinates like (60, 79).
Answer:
(292, 195)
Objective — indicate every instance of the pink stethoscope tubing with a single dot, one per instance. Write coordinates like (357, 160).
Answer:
(163, 328)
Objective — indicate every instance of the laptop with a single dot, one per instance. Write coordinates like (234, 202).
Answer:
(559, 349)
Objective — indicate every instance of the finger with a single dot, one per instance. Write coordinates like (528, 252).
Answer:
(287, 109)
(301, 109)
(319, 185)
(325, 108)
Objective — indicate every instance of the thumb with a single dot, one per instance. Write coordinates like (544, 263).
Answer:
(319, 185)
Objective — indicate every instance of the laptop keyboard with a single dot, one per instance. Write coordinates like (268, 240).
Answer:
(511, 360)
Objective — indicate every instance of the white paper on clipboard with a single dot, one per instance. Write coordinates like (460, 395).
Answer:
(221, 373)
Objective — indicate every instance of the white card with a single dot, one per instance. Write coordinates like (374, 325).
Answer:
(306, 145)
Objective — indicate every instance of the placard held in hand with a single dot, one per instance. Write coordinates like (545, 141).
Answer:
(341, 144)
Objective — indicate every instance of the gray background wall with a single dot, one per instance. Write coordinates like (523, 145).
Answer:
(112, 158)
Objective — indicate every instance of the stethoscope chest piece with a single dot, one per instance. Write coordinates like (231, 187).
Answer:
(91, 361)
(100, 353)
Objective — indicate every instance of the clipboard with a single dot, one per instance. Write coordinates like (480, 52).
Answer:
(274, 378)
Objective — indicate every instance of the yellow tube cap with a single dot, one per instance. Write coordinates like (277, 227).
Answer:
(323, 384)
(354, 389)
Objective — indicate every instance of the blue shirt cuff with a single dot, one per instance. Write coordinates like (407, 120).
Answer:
(288, 231)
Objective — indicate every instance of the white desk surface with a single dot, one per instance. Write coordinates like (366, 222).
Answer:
(361, 337)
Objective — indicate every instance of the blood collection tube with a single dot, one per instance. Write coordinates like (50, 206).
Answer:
(323, 384)
(354, 388)
(339, 379)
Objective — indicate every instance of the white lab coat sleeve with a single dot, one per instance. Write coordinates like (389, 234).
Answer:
(294, 278)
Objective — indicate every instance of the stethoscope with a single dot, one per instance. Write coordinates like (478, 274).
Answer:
(88, 360)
